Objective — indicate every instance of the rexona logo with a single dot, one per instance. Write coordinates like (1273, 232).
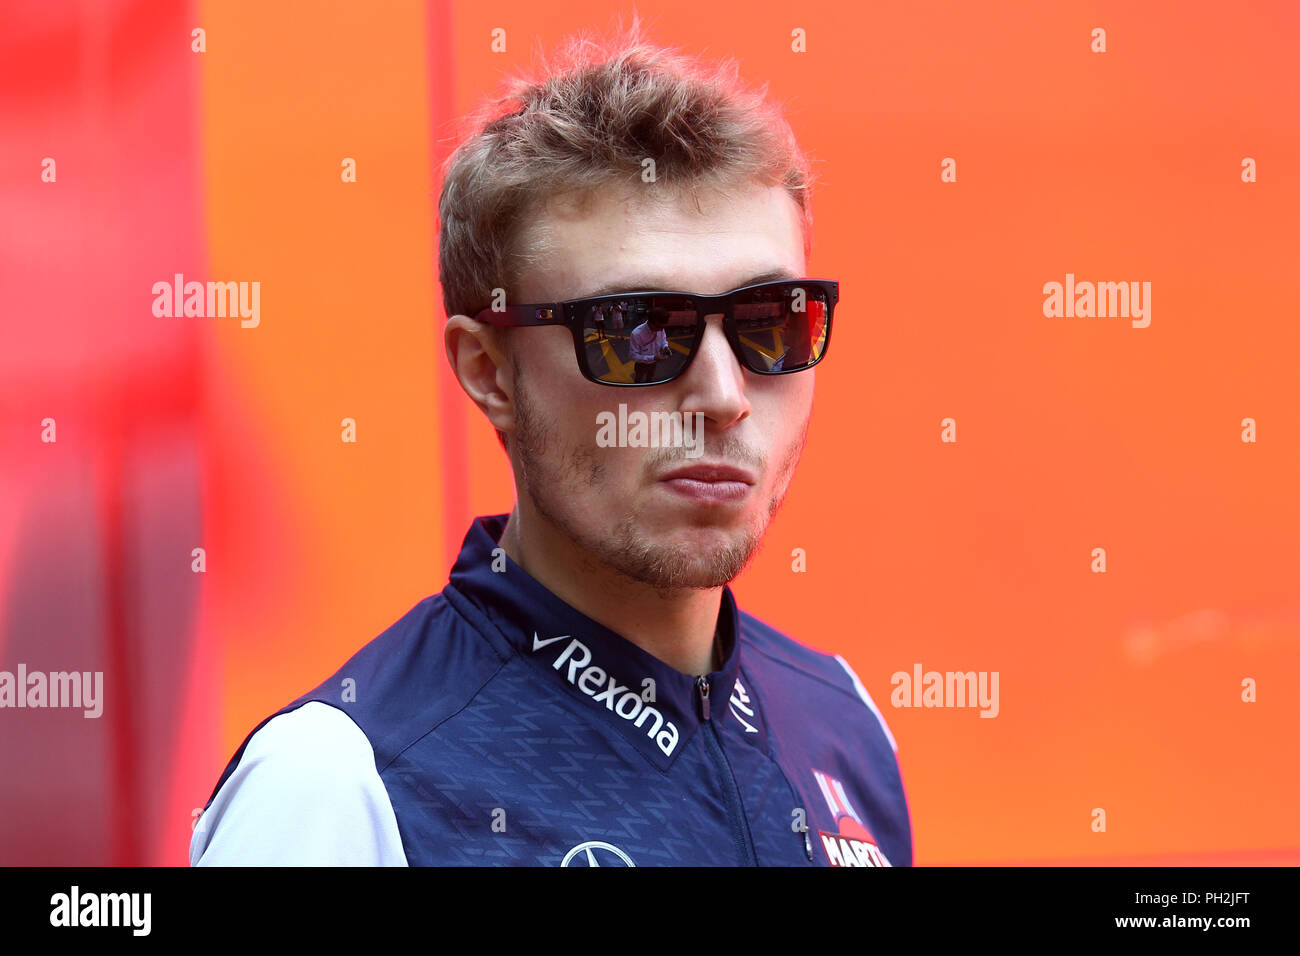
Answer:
(575, 663)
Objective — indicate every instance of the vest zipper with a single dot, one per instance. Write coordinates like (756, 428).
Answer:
(730, 790)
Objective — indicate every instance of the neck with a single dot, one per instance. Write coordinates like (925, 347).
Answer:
(676, 626)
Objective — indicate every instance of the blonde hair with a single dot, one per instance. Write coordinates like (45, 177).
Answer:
(587, 121)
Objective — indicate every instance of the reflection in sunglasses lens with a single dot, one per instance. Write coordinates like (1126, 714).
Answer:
(648, 339)
(640, 339)
(782, 329)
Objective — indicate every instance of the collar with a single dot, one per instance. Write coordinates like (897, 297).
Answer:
(654, 706)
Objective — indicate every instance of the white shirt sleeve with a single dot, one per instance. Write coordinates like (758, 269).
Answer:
(305, 793)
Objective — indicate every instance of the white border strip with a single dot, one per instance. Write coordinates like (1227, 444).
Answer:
(862, 692)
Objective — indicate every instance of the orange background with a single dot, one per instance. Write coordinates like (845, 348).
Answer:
(1119, 690)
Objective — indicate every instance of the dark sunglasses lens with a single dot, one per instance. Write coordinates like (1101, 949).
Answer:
(643, 340)
(783, 327)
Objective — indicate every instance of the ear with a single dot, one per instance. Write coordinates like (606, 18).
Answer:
(480, 359)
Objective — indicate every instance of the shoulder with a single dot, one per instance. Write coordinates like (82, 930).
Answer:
(777, 652)
(416, 674)
(304, 793)
(305, 786)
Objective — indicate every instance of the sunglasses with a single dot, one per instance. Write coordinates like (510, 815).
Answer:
(650, 338)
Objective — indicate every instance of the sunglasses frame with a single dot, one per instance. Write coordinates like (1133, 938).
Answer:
(572, 313)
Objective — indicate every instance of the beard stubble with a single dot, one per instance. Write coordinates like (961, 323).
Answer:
(559, 480)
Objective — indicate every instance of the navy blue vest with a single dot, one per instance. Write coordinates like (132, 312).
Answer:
(508, 728)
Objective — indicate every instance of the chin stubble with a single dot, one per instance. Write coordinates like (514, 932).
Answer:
(546, 476)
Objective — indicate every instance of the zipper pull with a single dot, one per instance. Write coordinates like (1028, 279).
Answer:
(702, 685)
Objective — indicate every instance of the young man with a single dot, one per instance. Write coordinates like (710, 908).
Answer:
(585, 691)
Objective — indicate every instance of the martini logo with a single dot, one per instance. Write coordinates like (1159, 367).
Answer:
(852, 844)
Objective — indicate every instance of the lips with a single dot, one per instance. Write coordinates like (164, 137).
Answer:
(710, 485)
(711, 473)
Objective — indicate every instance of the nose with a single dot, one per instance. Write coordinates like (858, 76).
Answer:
(715, 382)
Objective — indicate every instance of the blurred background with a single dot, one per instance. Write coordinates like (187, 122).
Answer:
(129, 440)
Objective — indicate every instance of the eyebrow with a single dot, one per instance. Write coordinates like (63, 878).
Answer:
(649, 285)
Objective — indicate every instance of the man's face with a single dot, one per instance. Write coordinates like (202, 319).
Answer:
(614, 502)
